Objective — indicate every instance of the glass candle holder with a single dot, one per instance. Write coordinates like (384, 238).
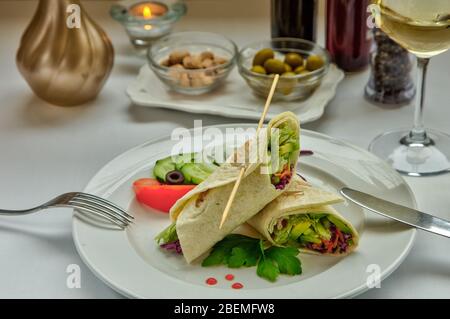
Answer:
(147, 21)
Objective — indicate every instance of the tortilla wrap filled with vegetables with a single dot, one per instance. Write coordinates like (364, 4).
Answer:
(197, 215)
(303, 218)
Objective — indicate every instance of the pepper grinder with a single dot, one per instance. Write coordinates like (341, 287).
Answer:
(390, 81)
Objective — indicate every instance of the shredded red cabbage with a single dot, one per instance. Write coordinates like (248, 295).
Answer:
(175, 245)
(283, 182)
(340, 239)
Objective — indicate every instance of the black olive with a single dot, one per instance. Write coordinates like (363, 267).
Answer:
(174, 178)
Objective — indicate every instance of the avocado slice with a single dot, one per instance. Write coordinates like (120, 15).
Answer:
(339, 224)
(326, 223)
(299, 229)
(286, 148)
(322, 231)
(317, 216)
(284, 136)
(282, 235)
(309, 239)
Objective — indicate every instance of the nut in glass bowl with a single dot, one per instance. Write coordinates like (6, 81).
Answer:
(301, 65)
(192, 62)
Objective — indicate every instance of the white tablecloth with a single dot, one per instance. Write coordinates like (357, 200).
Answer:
(47, 150)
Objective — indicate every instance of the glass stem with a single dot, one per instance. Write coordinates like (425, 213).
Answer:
(418, 134)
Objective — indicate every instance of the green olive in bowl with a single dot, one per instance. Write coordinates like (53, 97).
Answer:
(262, 56)
(287, 83)
(287, 68)
(258, 69)
(314, 62)
(299, 69)
(293, 59)
(288, 61)
(274, 66)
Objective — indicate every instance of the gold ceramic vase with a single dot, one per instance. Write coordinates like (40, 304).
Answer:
(63, 64)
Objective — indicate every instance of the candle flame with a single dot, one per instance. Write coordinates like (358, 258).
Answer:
(147, 13)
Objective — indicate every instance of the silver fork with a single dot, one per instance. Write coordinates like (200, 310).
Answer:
(85, 202)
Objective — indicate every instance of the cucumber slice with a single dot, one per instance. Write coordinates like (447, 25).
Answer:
(193, 173)
(162, 167)
(207, 167)
(183, 159)
(187, 158)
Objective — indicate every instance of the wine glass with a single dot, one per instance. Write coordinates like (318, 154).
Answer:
(423, 28)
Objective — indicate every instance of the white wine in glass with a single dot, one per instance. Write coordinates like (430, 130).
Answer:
(423, 28)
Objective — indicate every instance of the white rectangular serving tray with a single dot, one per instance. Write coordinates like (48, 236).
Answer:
(233, 99)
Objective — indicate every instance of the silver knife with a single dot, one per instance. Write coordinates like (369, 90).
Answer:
(400, 213)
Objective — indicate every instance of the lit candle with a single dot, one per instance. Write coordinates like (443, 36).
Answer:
(148, 20)
(148, 10)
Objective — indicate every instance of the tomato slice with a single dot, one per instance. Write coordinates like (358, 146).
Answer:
(159, 196)
(143, 182)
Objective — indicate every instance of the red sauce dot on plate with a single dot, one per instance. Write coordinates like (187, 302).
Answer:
(211, 281)
(229, 277)
(237, 285)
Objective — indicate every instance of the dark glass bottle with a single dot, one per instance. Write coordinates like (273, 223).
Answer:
(348, 36)
(294, 19)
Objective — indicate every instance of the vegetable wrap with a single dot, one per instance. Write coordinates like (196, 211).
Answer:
(303, 218)
(197, 215)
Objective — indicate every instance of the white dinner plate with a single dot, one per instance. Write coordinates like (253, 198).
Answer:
(131, 263)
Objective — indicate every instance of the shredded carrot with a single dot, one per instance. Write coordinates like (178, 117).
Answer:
(328, 245)
(340, 235)
(285, 172)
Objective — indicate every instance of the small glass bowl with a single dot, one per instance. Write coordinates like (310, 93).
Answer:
(143, 32)
(298, 87)
(192, 81)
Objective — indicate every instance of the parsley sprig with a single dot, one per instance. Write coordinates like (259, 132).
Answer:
(237, 251)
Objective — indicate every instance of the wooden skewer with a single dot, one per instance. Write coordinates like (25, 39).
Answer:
(241, 173)
(268, 101)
